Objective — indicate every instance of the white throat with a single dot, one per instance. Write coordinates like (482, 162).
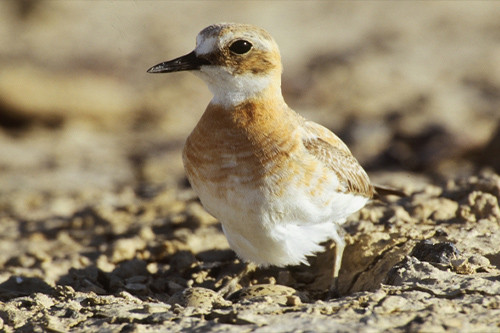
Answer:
(230, 90)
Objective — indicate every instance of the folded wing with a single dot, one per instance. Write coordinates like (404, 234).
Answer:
(334, 154)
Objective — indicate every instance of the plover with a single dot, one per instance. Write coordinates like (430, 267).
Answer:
(279, 184)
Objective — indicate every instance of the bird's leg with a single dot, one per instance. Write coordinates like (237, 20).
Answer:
(339, 241)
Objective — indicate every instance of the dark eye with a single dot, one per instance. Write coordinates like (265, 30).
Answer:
(240, 46)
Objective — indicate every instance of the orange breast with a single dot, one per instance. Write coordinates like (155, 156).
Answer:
(240, 147)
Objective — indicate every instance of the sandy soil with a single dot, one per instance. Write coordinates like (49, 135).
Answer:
(99, 229)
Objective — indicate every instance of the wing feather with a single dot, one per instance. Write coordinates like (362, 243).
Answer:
(334, 154)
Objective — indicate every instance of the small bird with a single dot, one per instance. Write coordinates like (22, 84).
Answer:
(279, 184)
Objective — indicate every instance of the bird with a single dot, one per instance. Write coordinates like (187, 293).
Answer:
(279, 184)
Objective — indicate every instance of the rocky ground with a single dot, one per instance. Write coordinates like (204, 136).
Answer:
(100, 231)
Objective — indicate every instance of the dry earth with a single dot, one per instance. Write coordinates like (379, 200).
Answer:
(100, 231)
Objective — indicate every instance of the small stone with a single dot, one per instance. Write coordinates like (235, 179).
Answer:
(479, 260)
(447, 210)
(104, 265)
(484, 205)
(152, 267)
(137, 288)
(137, 279)
(130, 298)
(462, 266)
(440, 253)
(156, 308)
(147, 233)
(174, 286)
(199, 298)
(126, 248)
(293, 300)
(263, 293)
(131, 268)
(266, 290)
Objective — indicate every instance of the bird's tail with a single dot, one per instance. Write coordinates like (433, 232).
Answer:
(383, 191)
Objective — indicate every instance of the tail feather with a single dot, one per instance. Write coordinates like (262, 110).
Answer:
(383, 191)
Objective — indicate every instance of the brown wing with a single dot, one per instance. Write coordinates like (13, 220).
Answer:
(330, 150)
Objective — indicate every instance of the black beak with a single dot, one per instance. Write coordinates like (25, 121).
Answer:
(187, 62)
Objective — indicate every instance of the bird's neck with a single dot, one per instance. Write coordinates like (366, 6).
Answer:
(258, 117)
(232, 90)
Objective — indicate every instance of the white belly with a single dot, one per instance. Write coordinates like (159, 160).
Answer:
(277, 222)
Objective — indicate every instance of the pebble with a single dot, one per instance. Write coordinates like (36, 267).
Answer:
(198, 297)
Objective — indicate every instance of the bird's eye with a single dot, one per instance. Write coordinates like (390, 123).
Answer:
(240, 46)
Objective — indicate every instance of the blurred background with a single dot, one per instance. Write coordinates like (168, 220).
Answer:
(412, 87)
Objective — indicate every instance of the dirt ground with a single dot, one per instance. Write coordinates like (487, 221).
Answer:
(100, 230)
